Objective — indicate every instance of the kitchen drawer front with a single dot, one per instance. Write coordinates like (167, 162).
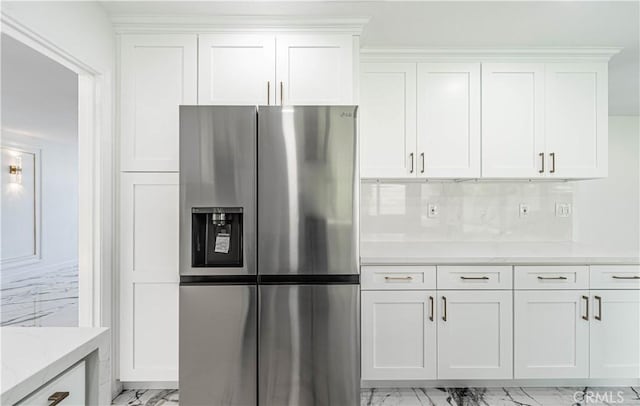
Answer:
(71, 383)
(398, 277)
(475, 277)
(551, 277)
(615, 277)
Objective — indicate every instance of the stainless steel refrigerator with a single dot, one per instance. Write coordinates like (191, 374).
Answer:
(269, 279)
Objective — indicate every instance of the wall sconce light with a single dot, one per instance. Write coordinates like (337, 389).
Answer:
(16, 171)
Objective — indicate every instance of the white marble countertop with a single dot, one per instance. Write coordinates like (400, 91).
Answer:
(32, 356)
(439, 253)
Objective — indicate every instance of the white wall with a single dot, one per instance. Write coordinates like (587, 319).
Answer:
(608, 210)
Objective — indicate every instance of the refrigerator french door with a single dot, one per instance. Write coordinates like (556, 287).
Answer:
(309, 324)
(218, 296)
(269, 291)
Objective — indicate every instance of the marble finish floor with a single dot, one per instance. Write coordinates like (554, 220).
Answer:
(442, 396)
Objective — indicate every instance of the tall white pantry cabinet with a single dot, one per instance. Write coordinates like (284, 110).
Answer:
(159, 71)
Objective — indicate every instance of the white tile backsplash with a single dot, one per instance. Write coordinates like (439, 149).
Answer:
(467, 211)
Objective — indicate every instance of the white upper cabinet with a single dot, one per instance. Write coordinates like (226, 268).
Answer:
(576, 119)
(157, 74)
(236, 69)
(387, 120)
(448, 120)
(512, 120)
(314, 69)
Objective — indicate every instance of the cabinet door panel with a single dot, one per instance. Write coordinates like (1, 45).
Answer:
(387, 120)
(398, 335)
(314, 69)
(512, 120)
(551, 337)
(448, 134)
(576, 119)
(615, 334)
(149, 277)
(236, 69)
(474, 342)
(157, 74)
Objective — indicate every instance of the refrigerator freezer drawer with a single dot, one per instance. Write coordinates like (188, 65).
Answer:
(309, 345)
(218, 345)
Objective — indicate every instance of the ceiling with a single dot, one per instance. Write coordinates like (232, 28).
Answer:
(39, 96)
(461, 24)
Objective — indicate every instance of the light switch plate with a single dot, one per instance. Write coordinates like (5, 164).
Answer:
(563, 210)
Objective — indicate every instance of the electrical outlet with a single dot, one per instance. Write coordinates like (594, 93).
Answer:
(524, 209)
(563, 209)
(433, 210)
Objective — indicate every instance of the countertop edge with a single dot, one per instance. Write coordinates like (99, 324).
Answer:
(379, 261)
(32, 383)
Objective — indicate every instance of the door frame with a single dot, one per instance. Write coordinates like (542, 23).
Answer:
(95, 179)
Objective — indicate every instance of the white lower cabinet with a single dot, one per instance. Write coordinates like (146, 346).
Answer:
(551, 334)
(615, 334)
(474, 334)
(149, 277)
(398, 335)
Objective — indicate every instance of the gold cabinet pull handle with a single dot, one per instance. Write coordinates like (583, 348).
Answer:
(625, 277)
(586, 303)
(553, 162)
(599, 315)
(561, 278)
(541, 155)
(268, 92)
(432, 307)
(411, 159)
(444, 308)
(57, 398)
(422, 159)
(398, 278)
(281, 94)
(483, 278)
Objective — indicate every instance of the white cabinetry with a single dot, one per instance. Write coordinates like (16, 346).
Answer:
(157, 74)
(576, 119)
(615, 334)
(149, 277)
(448, 127)
(474, 335)
(236, 69)
(314, 69)
(551, 334)
(387, 120)
(512, 120)
(398, 335)
(70, 387)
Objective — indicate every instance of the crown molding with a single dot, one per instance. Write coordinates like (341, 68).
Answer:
(207, 24)
(487, 54)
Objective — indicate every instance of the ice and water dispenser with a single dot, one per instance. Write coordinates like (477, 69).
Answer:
(217, 237)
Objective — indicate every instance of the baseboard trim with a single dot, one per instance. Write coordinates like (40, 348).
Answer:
(507, 383)
(150, 385)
